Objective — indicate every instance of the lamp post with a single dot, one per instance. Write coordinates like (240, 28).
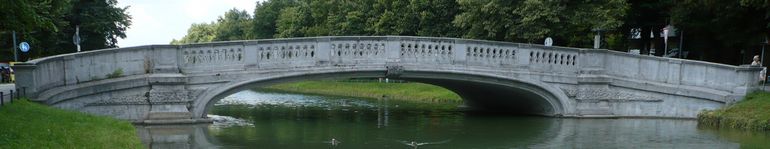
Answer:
(681, 43)
(15, 56)
(762, 62)
(762, 58)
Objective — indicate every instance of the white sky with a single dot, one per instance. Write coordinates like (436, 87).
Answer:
(159, 21)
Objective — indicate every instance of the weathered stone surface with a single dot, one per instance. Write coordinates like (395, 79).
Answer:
(122, 100)
(178, 83)
(591, 94)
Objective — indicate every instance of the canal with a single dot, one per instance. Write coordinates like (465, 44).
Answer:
(266, 119)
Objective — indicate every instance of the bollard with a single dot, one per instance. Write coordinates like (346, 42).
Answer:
(18, 93)
(24, 89)
(11, 99)
(1, 99)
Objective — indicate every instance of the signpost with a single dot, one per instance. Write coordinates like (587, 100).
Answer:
(24, 47)
(548, 42)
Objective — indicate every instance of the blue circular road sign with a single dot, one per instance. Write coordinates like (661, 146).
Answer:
(24, 46)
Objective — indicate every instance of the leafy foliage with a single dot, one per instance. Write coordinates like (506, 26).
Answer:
(49, 25)
(716, 30)
(265, 16)
(115, 74)
(720, 36)
(234, 25)
(197, 33)
(101, 22)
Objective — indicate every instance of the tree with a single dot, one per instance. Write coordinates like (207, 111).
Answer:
(436, 17)
(648, 17)
(34, 21)
(486, 19)
(265, 16)
(570, 22)
(101, 23)
(203, 32)
(538, 18)
(234, 25)
(396, 18)
(761, 7)
(49, 25)
(347, 17)
(293, 22)
(719, 30)
(584, 17)
(31, 14)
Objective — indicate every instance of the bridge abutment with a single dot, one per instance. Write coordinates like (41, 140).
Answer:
(169, 100)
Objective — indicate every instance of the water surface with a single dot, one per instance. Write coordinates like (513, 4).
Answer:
(262, 119)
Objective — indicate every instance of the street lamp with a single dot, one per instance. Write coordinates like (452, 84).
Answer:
(762, 58)
(15, 56)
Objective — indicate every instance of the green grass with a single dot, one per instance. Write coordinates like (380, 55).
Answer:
(398, 91)
(25, 124)
(753, 113)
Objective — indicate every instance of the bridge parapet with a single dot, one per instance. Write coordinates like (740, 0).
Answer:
(347, 51)
(70, 69)
(672, 72)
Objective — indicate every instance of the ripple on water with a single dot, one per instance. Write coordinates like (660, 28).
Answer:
(249, 97)
(227, 121)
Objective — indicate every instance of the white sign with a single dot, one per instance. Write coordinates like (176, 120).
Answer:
(548, 42)
(24, 47)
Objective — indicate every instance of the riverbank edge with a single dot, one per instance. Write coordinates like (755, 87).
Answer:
(752, 113)
(25, 124)
(402, 91)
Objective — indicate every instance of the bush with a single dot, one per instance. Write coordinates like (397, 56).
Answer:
(115, 74)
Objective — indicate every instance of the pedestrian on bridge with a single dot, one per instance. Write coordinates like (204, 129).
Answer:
(763, 73)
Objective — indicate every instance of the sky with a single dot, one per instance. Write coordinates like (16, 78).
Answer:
(160, 21)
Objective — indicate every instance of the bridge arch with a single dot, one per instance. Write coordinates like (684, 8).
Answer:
(521, 95)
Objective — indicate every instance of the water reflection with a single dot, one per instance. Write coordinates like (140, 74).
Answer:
(382, 112)
(176, 136)
(360, 123)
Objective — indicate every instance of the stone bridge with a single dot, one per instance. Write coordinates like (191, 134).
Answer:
(179, 83)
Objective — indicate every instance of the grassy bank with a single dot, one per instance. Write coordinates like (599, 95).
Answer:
(398, 91)
(24, 124)
(753, 113)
